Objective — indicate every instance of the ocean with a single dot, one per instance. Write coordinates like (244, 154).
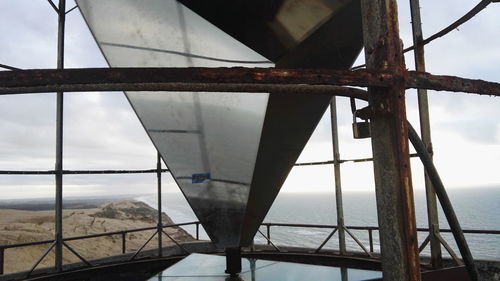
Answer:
(476, 208)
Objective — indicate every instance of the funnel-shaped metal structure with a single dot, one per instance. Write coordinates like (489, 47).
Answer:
(229, 152)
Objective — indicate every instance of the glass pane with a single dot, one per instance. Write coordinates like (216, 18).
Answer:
(211, 268)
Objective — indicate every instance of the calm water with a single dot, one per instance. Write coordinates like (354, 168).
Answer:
(475, 209)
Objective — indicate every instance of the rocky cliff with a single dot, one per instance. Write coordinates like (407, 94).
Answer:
(17, 226)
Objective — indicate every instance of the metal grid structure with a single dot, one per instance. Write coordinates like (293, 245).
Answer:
(385, 77)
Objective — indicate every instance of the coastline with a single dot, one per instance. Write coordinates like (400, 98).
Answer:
(80, 217)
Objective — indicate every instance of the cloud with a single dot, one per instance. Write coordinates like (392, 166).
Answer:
(476, 131)
(102, 132)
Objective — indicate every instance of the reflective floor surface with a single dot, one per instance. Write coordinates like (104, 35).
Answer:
(211, 268)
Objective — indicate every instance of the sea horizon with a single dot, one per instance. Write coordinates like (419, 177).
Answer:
(360, 210)
(476, 208)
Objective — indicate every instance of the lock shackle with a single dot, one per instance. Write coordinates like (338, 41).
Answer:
(355, 115)
(362, 113)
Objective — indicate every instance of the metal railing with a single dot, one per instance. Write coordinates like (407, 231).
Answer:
(370, 230)
(122, 234)
(369, 251)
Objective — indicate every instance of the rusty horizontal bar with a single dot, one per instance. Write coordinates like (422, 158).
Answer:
(229, 80)
(329, 162)
(45, 172)
(357, 227)
(359, 160)
(424, 80)
(26, 244)
(82, 172)
(354, 227)
(83, 76)
(188, 79)
(453, 26)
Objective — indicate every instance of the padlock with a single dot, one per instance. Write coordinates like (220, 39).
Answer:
(360, 130)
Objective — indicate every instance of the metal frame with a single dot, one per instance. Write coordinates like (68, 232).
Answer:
(370, 229)
(248, 80)
(425, 131)
(122, 234)
(386, 80)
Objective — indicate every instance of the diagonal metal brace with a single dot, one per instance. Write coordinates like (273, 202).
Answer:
(69, 11)
(41, 258)
(76, 254)
(53, 6)
(269, 240)
(449, 249)
(143, 245)
(424, 244)
(176, 243)
(327, 239)
(358, 242)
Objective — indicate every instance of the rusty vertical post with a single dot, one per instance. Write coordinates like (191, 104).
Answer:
(2, 258)
(425, 130)
(391, 161)
(160, 223)
(344, 274)
(370, 239)
(59, 142)
(268, 232)
(338, 185)
(124, 242)
(233, 262)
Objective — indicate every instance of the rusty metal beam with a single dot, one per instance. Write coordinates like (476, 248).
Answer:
(337, 174)
(425, 129)
(229, 80)
(469, 15)
(453, 26)
(142, 77)
(424, 80)
(80, 172)
(391, 157)
(160, 223)
(58, 228)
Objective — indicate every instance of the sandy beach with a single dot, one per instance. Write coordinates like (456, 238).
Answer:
(18, 226)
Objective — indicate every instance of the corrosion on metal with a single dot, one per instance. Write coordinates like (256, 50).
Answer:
(429, 81)
(425, 129)
(58, 228)
(159, 193)
(389, 128)
(338, 182)
(453, 26)
(318, 81)
(45, 77)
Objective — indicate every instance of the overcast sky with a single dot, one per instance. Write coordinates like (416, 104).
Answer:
(102, 132)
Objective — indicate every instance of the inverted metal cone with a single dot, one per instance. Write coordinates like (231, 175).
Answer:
(228, 152)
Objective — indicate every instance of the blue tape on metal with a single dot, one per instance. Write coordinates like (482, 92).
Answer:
(200, 178)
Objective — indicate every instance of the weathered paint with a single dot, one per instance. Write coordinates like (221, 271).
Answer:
(231, 80)
(391, 161)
